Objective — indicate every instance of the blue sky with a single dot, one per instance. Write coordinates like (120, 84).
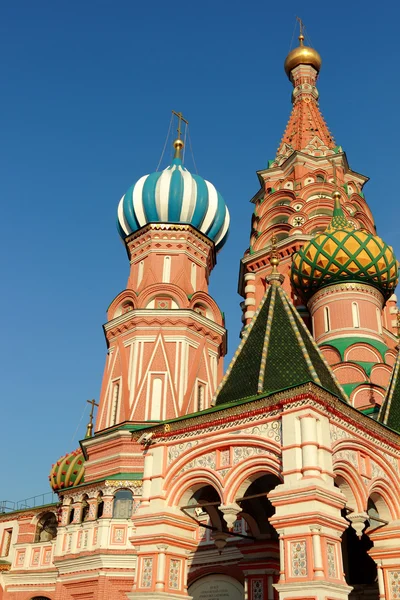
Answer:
(86, 94)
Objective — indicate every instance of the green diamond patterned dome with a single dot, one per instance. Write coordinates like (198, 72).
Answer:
(342, 254)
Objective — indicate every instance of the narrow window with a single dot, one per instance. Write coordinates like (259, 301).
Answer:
(115, 402)
(100, 505)
(200, 396)
(327, 320)
(193, 276)
(356, 314)
(155, 399)
(379, 320)
(5, 550)
(140, 272)
(166, 269)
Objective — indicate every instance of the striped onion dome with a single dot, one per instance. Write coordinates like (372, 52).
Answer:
(68, 471)
(174, 196)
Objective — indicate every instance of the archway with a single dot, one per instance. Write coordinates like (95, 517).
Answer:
(216, 587)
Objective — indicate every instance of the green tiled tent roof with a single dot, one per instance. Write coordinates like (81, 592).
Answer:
(389, 413)
(277, 352)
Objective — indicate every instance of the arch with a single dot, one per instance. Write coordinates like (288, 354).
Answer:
(362, 352)
(246, 472)
(168, 289)
(352, 502)
(331, 354)
(353, 487)
(115, 308)
(380, 506)
(381, 492)
(46, 527)
(380, 374)
(204, 298)
(188, 483)
(366, 395)
(349, 373)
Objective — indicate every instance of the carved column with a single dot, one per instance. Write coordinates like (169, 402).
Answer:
(308, 510)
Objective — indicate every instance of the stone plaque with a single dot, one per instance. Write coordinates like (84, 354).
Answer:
(216, 587)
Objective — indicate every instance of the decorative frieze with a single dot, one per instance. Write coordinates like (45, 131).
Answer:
(175, 451)
(349, 456)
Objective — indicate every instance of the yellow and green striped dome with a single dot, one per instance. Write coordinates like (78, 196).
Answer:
(342, 254)
(68, 471)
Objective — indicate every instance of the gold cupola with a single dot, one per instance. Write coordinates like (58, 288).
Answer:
(302, 55)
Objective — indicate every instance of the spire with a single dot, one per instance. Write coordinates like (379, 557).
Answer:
(389, 413)
(339, 220)
(276, 352)
(306, 130)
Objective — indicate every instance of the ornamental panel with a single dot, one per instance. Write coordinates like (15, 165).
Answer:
(147, 572)
(174, 574)
(394, 584)
(298, 557)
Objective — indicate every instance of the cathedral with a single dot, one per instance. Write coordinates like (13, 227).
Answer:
(275, 479)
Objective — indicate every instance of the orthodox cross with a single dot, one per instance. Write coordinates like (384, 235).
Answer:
(180, 119)
(89, 429)
(301, 24)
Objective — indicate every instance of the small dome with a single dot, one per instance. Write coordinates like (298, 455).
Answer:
(342, 254)
(68, 471)
(302, 55)
(174, 196)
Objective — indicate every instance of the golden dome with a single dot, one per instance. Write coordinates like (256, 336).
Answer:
(302, 55)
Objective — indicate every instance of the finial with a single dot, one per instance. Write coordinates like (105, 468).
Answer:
(178, 143)
(89, 428)
(274, 277)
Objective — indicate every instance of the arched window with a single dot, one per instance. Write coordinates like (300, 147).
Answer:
(356, 314)
(71, 516)
(100, 505)
(46, 528)
(85, 508)
(320, 178)
(327, 320)
(379, 319)
(201, 309)
(122, 504)
(40, 598)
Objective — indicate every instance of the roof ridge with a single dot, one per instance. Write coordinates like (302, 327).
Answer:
(300, 340)
(276, 352)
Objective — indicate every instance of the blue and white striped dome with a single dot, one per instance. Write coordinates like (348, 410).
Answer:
(174, 196)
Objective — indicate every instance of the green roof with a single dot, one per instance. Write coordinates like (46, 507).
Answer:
(389, 413)
(276, 352)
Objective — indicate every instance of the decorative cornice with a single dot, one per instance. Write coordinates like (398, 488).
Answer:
(276, 404)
